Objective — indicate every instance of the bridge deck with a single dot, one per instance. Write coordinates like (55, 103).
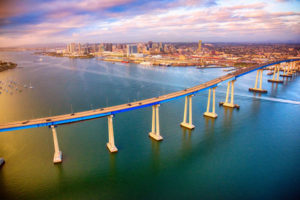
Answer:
(101, 112)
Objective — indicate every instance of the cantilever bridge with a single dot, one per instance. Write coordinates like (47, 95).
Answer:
(290, 67)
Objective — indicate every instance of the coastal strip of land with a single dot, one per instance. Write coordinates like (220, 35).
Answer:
(7, 65)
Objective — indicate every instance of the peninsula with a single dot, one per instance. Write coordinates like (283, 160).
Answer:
(7, 65)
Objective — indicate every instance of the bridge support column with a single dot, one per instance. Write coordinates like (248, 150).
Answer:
(111, 139)
(226, 103)
(189, 125)
(155, 133)
(255, 89)
(276, 71)
(57, 153)
(294, 68)
(286, 71)
(213, 113)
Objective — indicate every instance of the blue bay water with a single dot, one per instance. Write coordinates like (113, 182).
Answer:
(251, 153)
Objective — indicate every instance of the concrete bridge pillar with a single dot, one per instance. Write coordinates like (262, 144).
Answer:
(111, 139)
(255, 89)
(294, 67)
(286, 70)
(155, 132)
(276, 71)
(213, 113)
(188, 103)
(231, 103)
(57, 153)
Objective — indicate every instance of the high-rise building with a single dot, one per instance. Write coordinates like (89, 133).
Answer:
(108, 47)
(71, 48)
(79, 48)
(200, 45)
(94, 48)
(101, 48)
(150, 44)
(131, 48)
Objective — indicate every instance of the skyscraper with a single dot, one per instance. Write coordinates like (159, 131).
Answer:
(200, 45)
(131, 48)
(71, 48)
(79, 48)
(150, 44)
(108, 47)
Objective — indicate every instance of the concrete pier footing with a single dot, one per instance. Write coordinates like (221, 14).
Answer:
(155, 136)
(57, 157)
(187, 125)
(275, 81)
(229, 105)
(286, 75)
(111, 148)
(210, 114)
(258, 90)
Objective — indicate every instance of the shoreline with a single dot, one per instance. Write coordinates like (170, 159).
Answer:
(146, 62)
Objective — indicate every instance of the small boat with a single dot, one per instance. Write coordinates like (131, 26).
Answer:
(30, 86)
(146, 63)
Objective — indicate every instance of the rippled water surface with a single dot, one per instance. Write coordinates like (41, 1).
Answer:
(251, 153)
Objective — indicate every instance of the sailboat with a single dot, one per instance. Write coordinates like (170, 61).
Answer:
(30, 86)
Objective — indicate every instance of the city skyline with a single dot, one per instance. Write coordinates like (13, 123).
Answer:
(44, 22)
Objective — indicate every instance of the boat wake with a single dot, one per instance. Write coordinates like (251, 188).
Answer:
(273, 99)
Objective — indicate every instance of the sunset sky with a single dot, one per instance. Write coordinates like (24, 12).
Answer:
(25, 22)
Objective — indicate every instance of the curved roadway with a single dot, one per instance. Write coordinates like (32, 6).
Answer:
(102, 112)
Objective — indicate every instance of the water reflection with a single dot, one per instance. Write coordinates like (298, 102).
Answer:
(227, 115)
(186, 140)
(274, 89)
(155, 145)
(60, 177)
(255, 106)
(209, 123)
(112, 165)
(3, 189)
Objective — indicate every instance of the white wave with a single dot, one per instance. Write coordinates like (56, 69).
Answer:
(267, 98)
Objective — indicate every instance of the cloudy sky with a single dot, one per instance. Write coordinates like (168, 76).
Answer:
(25, 22)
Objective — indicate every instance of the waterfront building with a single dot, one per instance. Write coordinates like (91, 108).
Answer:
(131, 49)
(71, 48)
(108, 47)
(101, 48)
(94, 48)
(79, 48)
